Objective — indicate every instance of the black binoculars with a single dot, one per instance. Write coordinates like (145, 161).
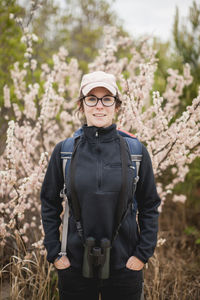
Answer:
(96, 259)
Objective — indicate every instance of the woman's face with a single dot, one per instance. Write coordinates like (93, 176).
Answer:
(99, 115)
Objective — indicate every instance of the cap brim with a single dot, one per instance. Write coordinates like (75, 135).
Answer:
(86, 89)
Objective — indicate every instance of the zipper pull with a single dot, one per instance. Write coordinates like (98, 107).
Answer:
(96, 134)
(132, 167)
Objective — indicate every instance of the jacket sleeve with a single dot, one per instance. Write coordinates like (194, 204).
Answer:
(148, 202)
(51, 207)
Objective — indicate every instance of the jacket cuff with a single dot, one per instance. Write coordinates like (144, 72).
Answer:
(53, 248)
(140, 256)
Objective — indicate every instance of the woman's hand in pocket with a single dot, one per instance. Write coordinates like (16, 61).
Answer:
(62, 263)
(134, 263)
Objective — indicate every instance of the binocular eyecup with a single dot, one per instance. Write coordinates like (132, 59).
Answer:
(96, 259)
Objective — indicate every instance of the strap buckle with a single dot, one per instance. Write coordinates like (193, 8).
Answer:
(63, 191)
(136, 179)
(62, 253)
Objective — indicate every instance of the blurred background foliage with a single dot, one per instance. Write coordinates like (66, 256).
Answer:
(77, 25)
(11, 50)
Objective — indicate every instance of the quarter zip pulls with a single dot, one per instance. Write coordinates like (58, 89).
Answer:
(91, 133)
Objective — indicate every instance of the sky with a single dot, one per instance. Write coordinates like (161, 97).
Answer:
(152, 17)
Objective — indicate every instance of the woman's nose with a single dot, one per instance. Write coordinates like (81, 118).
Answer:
(99, 104)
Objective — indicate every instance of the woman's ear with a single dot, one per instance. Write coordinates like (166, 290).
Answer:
(117, 109)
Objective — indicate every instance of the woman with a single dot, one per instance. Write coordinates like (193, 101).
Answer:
(97, 185)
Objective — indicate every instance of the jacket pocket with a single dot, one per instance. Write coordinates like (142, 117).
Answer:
(109, 166)
(111, 177)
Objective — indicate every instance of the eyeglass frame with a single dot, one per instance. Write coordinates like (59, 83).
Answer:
(99, 99)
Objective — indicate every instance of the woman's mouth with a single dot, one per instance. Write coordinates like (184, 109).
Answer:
(99, 115)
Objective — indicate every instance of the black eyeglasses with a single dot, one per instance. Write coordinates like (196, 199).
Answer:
(92, 100)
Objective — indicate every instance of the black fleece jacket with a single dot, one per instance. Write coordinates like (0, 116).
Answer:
(98, 183)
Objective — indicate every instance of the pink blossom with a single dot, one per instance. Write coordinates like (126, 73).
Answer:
(179, 198)
(6, 92)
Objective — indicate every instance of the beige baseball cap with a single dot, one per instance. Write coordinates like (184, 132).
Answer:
(98, 79)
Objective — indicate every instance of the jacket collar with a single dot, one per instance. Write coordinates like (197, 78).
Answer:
(103, 134)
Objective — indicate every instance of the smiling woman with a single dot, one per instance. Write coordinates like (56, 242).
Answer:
(106, 248)
(99, 103)
(99, 107)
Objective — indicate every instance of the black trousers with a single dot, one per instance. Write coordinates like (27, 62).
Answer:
(123, 284)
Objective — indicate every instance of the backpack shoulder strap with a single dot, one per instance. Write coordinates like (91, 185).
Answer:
(66, 154)
(135, 149)
(67, 148)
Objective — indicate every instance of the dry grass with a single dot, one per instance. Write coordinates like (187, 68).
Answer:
(29, 278)
(170, 277)
(173, 271)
